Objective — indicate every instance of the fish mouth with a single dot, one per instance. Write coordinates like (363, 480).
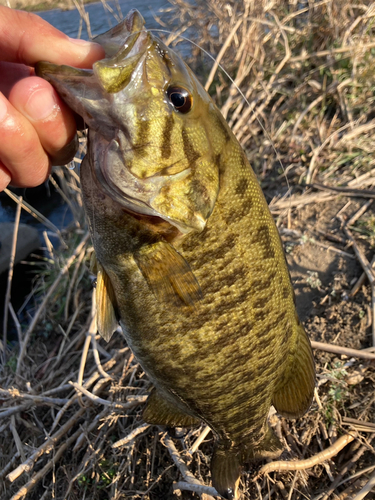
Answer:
(100, 95)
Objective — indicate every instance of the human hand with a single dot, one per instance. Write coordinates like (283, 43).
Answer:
(37, 129)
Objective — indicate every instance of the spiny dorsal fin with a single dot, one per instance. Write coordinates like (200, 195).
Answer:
(168, 274)
(295, 396)
(105, 298)
(160, 412)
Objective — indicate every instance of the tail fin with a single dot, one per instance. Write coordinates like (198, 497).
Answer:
(227, 463)
(226, 471)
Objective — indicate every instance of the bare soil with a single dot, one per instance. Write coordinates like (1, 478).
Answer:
(307, 69)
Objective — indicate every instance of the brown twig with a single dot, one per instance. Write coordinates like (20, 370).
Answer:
(367, 267)
(360, 193)
(132, 435)
(186, 474)
(346, 468)
(360, 280)
(359, 425)
(196, 488)
(359, 213)
(46, 447)
(335, 349)
(326, 454)
(22, 492)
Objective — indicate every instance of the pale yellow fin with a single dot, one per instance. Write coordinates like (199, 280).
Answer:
(168, 274)
(226, 472)
(160, 412)
(93, 263)
(294, 398)
(105, 298)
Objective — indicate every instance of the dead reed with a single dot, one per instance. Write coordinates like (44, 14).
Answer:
(71, 405)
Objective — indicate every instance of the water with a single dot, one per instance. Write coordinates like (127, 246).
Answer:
(101, 19)
(70, 23)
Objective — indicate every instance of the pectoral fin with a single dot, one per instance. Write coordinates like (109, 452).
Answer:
(160, 412)
(105, 298)
(294, 397)
(168, 274)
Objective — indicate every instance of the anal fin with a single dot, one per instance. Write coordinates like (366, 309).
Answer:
(294, 397)
(168, 274)
(159, 411)
(105, 298)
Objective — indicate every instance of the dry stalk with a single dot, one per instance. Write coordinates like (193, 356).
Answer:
(335, 349)
(131, 436)
(200, 439)
(45, 447)
(346, 468)
(97, 400)
(196, 488)
(324, 455)
(10, 277)
(48, 295)
(220, 56)
(22, 492)
(367, 267)
(37, 215)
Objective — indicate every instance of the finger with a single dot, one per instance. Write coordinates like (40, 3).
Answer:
(5, 177)
(26, 38)
(11, 73)
(21, 152)
(54, 123)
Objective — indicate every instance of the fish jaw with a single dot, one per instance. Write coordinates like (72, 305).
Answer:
(118, 36)
(124, 99)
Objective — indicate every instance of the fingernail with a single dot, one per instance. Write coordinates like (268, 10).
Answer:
(40, 105)
(86, 47)
(5, 177)
(3, 107)
(79, 41)
(66, 154)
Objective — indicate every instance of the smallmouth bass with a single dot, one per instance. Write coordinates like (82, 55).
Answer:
(188, 258)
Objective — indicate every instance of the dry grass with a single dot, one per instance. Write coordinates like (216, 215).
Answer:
(70, 411)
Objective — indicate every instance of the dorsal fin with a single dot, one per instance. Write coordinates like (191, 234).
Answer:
(168, 274)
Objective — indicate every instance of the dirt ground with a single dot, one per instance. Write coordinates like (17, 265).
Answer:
(71, 405)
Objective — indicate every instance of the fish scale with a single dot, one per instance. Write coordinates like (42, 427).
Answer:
(188, 257)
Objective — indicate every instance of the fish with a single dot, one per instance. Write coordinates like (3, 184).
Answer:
(188, 258)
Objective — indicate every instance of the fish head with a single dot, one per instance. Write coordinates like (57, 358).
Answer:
(152, 122)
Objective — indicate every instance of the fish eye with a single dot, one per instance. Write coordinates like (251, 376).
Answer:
(181, 99)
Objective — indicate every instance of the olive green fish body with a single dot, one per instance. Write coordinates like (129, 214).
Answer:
(189, 259)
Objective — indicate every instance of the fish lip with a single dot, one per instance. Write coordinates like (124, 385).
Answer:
(47, 70)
